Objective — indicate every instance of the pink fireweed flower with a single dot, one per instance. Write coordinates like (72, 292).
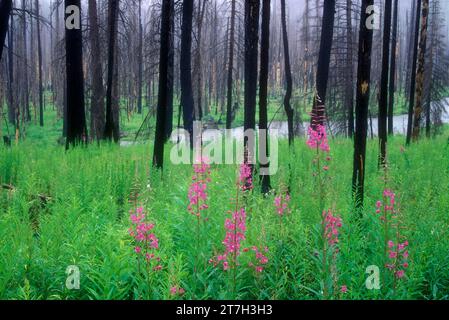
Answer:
(318, 138)
(235, 234)
(145, 241)
(260, 260)
(245, 177)
(198, 189)
(174, 290)
(332, 224)
(281, 203)
(398, 256)
(344, 289)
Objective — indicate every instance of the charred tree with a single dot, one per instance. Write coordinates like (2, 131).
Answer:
(362, 103)
(392, 68)
(413, 74)
(420, 72)
(383, 96)
(187, 102)
(39, 68)
(111, 130)
(76, 118)
(288, 75)
(230, 67)
(252, 8)
(5, 12)
(159, 140)
(97, 100)
(263, 94)
(322, 72)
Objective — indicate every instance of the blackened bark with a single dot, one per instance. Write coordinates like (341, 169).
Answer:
(5, 11)
(349, 88)
(362, 103)
(170, 76)
(159, 140)
(420, 72)
(39, 70)
(97, 100)
(263, 91)
(140, 61)
(383, 97)
(322, 73)
(393, 68)
(230, 68)
(252, 8)
(111, 130)
(11, 100)
(186, 68)
(26, 91)
(288, 75)
(76, 118)
(413, 75)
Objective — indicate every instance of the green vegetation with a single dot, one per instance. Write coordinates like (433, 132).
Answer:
(62, 208)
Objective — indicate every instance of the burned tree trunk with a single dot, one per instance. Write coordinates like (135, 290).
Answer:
(230, 68)
(288, 75)
(420, 72)
(111, 130)
(252, 8)
(263, 95)
(413, 75)
(393, 68)
(5, 12)
(159, 140)
(187, 102)
(322, 73)
(383, 98)
(362, 103)
(97, 99)
(349, 88)
(39, 70)
(76, 118)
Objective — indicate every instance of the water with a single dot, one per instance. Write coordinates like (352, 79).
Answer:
(280, 128)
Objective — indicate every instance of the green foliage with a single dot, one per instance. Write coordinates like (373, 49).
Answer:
(71, 208)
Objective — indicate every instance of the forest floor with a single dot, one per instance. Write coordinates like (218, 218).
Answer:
(60, 209)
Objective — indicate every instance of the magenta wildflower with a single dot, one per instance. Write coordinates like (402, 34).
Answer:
(331, 226)
(281, 202)
(318, 138)
(146, 242)
(198, 189)
(398, 256)
(344, 289)
(245, 177)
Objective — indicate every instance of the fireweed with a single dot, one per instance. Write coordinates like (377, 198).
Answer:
(235, 227)
(146, 244)
(330, 228)
(395, 251)
(330, 224)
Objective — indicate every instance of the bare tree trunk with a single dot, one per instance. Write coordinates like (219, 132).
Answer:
(252, 8)
(187, 102)
(393, 68)
(230, 67)
(111, 125)
(420, 72)
(26, 90)
(288, 75)
(383, 98)
(362, 103)
(39, 70)
(97, 100)
(140, 61)
(5, 11)
(76, 118)
(159, 140)
(349, 88)
(263, 93)
(322, 73)
(413, 76)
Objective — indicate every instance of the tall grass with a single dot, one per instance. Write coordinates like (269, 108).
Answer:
(72, 208)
